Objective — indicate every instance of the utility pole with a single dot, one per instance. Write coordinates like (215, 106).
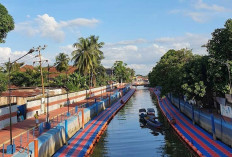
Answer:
(38, 49)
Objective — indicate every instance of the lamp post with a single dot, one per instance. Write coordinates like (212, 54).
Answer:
(48, 126)
(68, 113)
(11, 147)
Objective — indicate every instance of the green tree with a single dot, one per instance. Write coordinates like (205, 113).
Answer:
(61, 63)
(168, 72)
(84, 57)
(101, 76)
(119, 70)
(6, 23)
(3, 82)
(76, 82)
(26, 79)
(20, 79)
(122, 73)
(15, 67)
(87, 56)
(196, 81)
(96, 47)
(220, 50)
(220, 46)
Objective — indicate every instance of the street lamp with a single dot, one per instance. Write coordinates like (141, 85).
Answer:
(68, 114)
(48, 125)
(11, 147)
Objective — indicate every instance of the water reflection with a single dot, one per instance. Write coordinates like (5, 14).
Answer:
(126, 135)
(153, 130)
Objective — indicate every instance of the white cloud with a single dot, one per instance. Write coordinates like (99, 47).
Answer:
(127, 42)
(201, 5)
(142, 57)
(198, 16)
(200, 11)
(47, 26)
(6, 53)
(79, 22)
(67, 49)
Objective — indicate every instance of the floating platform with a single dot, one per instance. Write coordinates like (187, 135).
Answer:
(196, 138)
(82, 143)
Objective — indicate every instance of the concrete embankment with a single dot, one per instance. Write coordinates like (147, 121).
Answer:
(83, 142)
(55, 138)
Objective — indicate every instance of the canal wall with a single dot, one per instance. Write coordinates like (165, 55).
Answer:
(82, 143)
(55, 102)
(55, 138)
(58, 101)
(5, 114)
(211, 123)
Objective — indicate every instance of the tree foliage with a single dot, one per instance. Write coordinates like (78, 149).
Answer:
(6, 23)
(87, 54)
(122, 72)
(3, 82)
(197, 77)
(168, 71)
(220, 50)
(61, 63)
(220, 46)
(26, 79)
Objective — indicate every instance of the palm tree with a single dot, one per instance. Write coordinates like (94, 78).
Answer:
(61, 63)
(87, 55)
(96, 46)
(83, 57)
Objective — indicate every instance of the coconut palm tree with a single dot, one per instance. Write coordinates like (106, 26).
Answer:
(96, 47)
(61, 63)
(87, 55)
(83, 57)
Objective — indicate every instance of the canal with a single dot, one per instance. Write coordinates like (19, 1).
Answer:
(126, 136)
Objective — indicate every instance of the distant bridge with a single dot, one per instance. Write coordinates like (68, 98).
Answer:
(140, 83)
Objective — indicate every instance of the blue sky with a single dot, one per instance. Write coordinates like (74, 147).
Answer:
(135, 31)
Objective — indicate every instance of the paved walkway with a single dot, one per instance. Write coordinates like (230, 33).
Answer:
(24, 129)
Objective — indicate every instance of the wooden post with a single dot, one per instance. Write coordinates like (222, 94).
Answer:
(36, 153)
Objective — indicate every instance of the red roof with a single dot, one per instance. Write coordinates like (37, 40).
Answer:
(22, 93)
(26, 67)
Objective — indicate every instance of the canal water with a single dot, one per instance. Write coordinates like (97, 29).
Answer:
(127, 136)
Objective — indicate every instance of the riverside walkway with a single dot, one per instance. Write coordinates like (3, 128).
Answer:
(23, 131)
(82, 143)
(198, 139)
